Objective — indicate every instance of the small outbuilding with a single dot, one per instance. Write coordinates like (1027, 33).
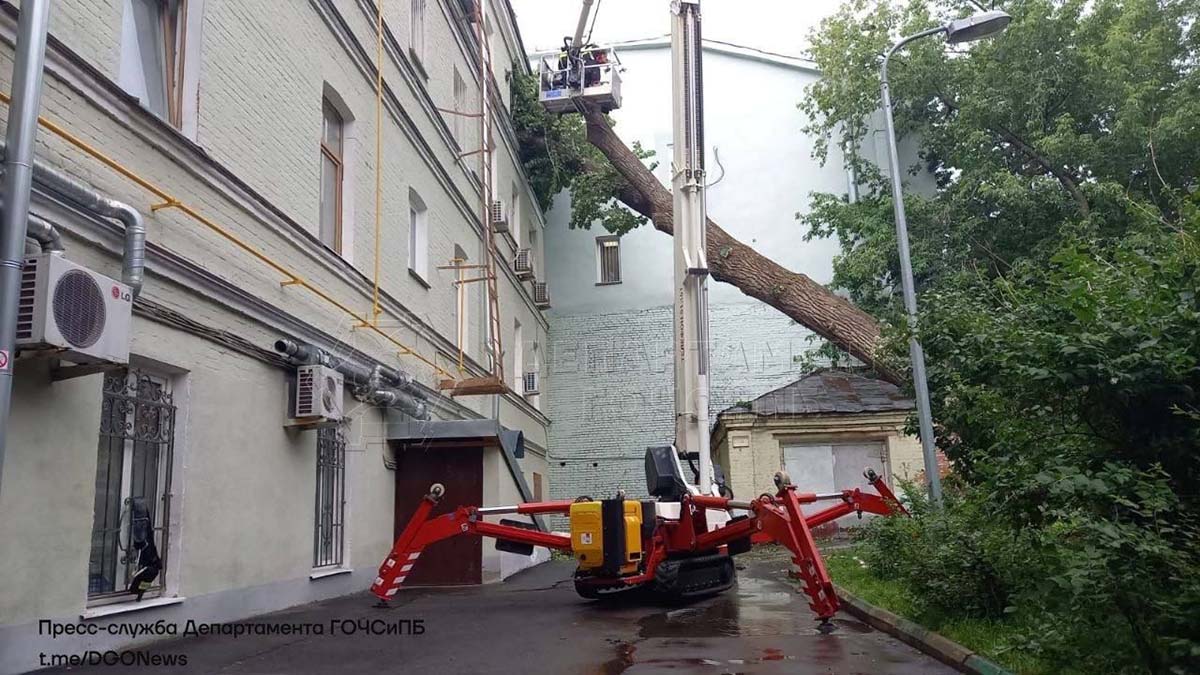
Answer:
(823, 429)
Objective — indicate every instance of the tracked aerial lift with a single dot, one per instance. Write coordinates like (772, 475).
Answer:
(682, 542)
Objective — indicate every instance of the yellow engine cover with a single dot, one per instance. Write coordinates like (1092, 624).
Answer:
(587, 534)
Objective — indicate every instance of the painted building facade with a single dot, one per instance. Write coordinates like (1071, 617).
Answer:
(259, 115)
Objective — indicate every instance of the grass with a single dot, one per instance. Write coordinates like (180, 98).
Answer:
(987, 637)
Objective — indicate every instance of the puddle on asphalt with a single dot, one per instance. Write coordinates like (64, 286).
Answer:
(755, 607)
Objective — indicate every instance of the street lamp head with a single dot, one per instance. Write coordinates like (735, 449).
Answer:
(977, 27)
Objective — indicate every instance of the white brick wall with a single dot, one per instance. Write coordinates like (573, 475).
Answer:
(611, 386)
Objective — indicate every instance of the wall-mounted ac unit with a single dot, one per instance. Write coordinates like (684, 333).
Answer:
(541, 295)
(319, 393)
(65, 307)
(530, 384)
(523, 264)
(499, 217)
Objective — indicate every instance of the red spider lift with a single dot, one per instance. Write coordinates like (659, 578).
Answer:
(663, 543)
(683, 543)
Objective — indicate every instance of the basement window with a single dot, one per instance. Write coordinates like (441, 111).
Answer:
(608, 260)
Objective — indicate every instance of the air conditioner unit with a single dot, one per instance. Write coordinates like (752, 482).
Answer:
(541, 295)
(523, 264)
(499, 217)
(68, 308)
(530, 381)
(319, 393)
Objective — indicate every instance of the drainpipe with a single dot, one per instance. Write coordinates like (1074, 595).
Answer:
(28, 62)
(378, 385)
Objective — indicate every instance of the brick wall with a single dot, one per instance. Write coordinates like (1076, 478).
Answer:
(611, 384)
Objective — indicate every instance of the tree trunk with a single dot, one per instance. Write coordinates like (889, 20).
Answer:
(796, 295)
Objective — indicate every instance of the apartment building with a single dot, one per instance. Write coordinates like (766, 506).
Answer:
(261, 122)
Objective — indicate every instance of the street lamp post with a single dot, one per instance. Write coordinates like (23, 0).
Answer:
(960, 30)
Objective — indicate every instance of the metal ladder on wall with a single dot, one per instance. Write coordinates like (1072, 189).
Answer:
(494, 382)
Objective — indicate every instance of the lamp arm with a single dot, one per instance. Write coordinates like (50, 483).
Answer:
(901, 44)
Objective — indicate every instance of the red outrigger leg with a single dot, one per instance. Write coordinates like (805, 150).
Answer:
(422, 531)
(772, 519)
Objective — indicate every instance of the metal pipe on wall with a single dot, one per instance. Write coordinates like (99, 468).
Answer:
(28, 63)
(133, 257)
(378, 385)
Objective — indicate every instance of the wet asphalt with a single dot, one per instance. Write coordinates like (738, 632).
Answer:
(535, 623)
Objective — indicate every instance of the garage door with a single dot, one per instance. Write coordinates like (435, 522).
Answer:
(458, 560)
(832, 467)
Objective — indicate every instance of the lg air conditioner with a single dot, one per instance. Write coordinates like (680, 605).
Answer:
(81, 316)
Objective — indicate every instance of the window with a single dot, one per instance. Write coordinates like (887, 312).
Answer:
(332, 131)
(329, 533)
(537, 486)
(608, 260)
(518, 358)
(515, 213)
(462, 315)
(418, 236)
(417, 43)
(458, 123)
(152, 55)
(133, 482)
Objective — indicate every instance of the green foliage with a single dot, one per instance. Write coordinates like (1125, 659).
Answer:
(1057, 259)
(557, 156)
(1099, 94)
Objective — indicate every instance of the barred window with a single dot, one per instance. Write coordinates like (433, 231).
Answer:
(329, 536)
(133, 483)
(608, 260)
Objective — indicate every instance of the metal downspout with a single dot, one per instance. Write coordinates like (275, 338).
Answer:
(28, 63)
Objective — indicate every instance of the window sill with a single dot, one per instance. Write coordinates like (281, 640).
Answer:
(127, 607)
(328, 572)
(420, 280)
(608, 283)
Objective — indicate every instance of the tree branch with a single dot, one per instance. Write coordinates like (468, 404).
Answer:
(1063, 177)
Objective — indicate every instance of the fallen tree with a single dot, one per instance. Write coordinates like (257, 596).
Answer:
(807, 302)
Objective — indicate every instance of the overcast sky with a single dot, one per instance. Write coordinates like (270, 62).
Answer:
(772, 25)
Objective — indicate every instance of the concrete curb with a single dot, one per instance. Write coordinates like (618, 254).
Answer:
(939, 647)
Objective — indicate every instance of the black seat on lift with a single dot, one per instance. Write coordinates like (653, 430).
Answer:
(662, 474)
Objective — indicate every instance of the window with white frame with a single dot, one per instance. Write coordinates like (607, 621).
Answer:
(332, 172)
(608, 260)
(329, 532)
(458, 123)
(153, 46)
(418, 236)
(131, 515)
(417, 38)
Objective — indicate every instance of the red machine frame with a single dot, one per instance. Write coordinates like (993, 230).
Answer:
(775, 518)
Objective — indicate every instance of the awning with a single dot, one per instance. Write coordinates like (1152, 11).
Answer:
(474, 432)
